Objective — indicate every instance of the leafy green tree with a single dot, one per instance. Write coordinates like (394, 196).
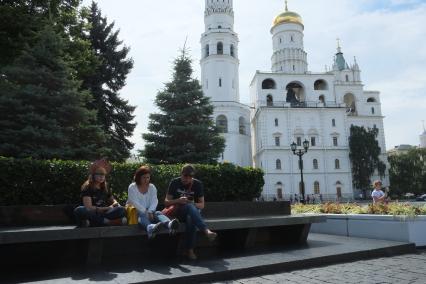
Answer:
(364, 154)
(42, 111)
(112, 66)
(183, 131)
(408, 172)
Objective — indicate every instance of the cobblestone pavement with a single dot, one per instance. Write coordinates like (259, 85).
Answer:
(403, 269)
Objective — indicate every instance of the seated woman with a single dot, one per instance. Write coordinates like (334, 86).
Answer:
(99, 208)
(143, 196)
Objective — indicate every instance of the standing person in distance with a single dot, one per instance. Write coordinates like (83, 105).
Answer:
(143, 196)
(99, 207)
(187, 193)
(378, 195)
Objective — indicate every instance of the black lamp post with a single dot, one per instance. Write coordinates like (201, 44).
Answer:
(300, 153)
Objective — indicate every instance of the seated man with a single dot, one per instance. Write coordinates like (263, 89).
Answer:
(187, 194)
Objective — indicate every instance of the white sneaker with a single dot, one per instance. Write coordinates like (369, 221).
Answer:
(173, 226)
(152, 230)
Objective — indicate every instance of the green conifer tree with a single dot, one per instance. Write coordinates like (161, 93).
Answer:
(42, 111)
(183, 132)
(106, 80)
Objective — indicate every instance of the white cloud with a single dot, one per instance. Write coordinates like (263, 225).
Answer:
(388, 43)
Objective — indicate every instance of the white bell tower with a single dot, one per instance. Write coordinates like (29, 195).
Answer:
(220, 81)
(219, 58)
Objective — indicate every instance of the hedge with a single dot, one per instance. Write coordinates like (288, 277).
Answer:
(52, 182)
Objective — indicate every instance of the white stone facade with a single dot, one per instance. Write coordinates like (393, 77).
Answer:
(288, 104)
(220, 81)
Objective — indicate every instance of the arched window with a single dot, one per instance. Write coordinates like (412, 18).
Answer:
(242, 126)
(316, 187)
(220, 82)
(322, 99)
(337, 164)
(315, 164)
(219, 47)
(371, 100)
(222, 124)
(320, 85)
(372, 110)
(278, 164)
(268, 84)
(207, 50)
(335, 141)
(279, 187)
(269, 100)
(347, 78)
(232, 52)
(277, 141)
(333, 122)
(349, 100)
(276, 121)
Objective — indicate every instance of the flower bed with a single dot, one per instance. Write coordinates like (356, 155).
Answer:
(395, 221)
(394, 208)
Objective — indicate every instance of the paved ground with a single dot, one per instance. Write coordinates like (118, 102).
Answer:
(403, 269)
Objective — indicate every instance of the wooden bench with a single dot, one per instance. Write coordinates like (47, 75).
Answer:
(239, 225)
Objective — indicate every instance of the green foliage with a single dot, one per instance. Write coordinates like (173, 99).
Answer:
(408, 172)
(183, 132)
(44, 182)
(364, 155)
(106, 79)
(394, 208)
(42, 112)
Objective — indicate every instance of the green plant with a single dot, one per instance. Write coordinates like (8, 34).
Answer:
(48, 182)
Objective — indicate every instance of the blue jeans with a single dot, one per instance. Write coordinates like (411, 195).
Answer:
(191, 215)
(97, 218)
(158, 217)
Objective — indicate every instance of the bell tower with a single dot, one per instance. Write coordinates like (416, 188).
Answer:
(219, 58)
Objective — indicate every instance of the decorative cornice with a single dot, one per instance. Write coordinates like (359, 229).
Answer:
(218, 8)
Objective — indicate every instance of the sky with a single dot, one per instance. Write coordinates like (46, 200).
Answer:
(388, 38)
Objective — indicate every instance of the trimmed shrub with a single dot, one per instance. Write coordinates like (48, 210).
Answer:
(50, 182)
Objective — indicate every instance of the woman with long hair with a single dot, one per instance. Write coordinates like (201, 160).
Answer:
(98, 206)
(143, 196)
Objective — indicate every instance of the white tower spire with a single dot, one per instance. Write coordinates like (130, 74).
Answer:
(288, 55)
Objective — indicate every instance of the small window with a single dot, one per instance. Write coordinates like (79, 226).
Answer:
(372, 110)
(269, 100)
(220, 48)
(313, 141)
(291, 38)
(333, 122)
(222, 124)
(334, 141)
(299, 141)
(347, 78)
(315, 164)
(276, 121)
(316, 187)
(281, 40)
(277, 141)
(294, 68)
(220, 82)
(278, 164)
(337, 164)
(242, 124)
(232, 51)
(207, 50)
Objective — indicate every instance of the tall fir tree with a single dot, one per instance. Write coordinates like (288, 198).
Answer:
(364, 151)
(114, 113)
(42, 111)
(183, 132)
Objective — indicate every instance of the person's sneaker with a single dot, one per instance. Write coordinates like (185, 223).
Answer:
(173, 226)
(211, 235)
(84, 224)
(153, 229)
(190, 255)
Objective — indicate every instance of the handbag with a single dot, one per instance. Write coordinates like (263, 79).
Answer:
(132, 215)
(171, 211)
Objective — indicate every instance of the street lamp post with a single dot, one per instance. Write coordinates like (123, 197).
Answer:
(300, 153)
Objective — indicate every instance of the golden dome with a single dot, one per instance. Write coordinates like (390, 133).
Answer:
(287, 17)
